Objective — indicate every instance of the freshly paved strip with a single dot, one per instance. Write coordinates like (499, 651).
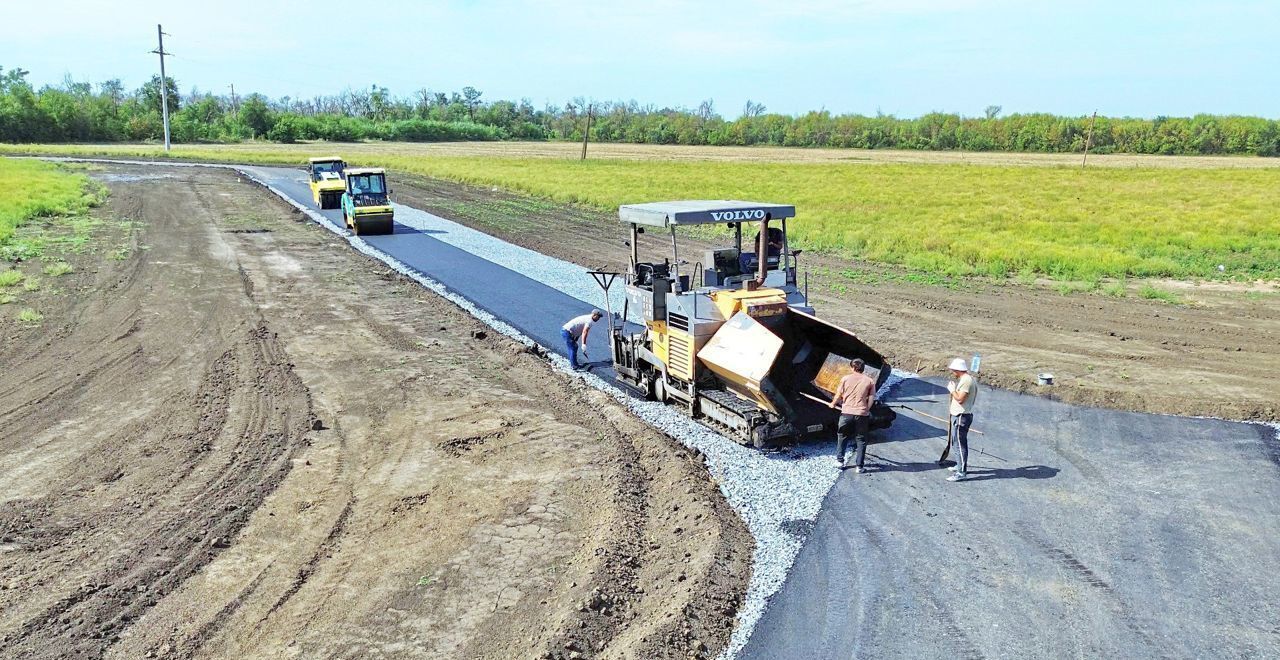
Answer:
(1083, 532)
(1095, 533)
(533, 308)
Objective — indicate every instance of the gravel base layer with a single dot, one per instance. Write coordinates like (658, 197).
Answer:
(569, 278)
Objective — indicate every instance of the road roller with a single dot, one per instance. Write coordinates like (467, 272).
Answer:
(326, 182)
(366, 202)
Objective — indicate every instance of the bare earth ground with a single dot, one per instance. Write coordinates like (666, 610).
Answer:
(1215, 356)
(246, 440)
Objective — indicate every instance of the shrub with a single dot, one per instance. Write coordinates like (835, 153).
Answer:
(286, 129)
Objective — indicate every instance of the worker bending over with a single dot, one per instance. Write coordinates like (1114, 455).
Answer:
(575, 334)
(964, 394)
(854, 397)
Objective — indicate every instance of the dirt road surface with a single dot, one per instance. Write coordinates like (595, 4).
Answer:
(1222, 349)
(246, 440)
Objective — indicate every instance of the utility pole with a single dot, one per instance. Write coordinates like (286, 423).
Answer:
(164, 87)
(235, 107)
(1088, 139)
(587, 133)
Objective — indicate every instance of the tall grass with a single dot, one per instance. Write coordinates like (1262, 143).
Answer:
(1063, 223)
(950, 219)
(30, 189)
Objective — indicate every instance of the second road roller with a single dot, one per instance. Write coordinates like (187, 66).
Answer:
(366, 202)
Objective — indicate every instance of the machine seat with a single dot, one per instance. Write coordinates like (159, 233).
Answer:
(645, 272)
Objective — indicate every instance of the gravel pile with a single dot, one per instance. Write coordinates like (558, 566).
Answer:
(112, 177)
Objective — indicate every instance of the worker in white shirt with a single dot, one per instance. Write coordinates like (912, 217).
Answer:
(575, 334)
(964, 394)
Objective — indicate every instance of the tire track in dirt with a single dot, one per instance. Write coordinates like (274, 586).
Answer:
(200, 510)
(148, 469)
(322, 552)
(117, 589)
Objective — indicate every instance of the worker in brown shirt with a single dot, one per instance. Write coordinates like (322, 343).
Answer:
(854, 397)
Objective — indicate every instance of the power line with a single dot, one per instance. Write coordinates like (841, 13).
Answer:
(164, 85)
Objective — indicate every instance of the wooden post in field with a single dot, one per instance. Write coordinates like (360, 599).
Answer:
(1088, 139)
(586, 134)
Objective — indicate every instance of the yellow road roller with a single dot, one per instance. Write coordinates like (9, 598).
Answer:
(732, 340)
(327, 185)
(366, 202)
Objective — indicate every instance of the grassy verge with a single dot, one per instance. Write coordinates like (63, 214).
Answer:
(31, 189)
(947, 220)
(44, 222)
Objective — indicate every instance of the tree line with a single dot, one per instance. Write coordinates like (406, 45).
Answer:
(107, 112)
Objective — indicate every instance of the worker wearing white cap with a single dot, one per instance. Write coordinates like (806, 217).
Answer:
(575, 334)
(964, 394)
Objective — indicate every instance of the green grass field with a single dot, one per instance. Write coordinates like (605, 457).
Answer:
(30, 189)
(942, 218)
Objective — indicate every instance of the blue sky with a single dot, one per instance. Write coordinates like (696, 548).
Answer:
(904, 57)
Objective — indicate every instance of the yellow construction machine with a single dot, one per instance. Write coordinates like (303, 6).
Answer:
(366, 202)
(327, 185)
(739, 348)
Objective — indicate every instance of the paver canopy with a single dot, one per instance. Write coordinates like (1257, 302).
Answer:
(702, 212)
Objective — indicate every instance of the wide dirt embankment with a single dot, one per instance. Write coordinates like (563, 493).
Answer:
(241, 438)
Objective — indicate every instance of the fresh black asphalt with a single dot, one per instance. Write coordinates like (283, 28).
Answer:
(1082, 533)
(528, 305)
